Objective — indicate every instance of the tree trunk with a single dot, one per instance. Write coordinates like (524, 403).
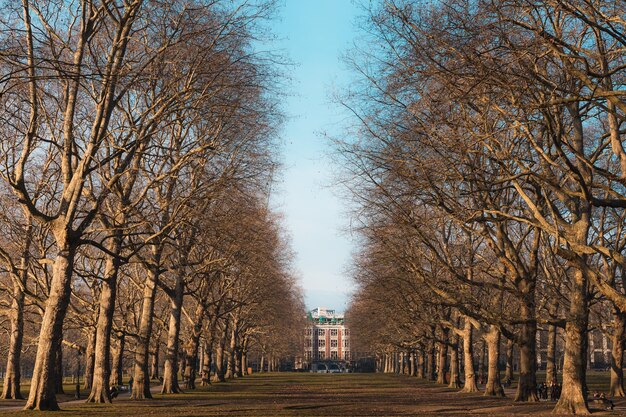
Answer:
(494, 386)
(527, 385)
(12, 378)
(443, 356)
(118, 360)
(420, 364)
(42, 394)
(468, 357)
(58, 371)
(192, 359)
(508, 373)
(230, 373)
(219, 356)
(102, 363)
(430, 370)
(551, 371)
(573, 398)
(90, 358)
(154, 366)
(454, 362)
(261, 364)
(170, 367)
(141, 384)
(206, 365)
(617, 354)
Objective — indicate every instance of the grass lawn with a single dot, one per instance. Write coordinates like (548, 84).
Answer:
(304, 394)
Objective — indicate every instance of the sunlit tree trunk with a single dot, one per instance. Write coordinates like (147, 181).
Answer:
(90, 358)
(454, 362)
(551, 371)
(573, 395)
(102, 363)
(12, 377)
(494, 386)
(42, 394)
(141, 384)
(468, 357)
(170, 367)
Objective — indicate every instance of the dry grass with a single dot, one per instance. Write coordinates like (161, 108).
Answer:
(292, 394)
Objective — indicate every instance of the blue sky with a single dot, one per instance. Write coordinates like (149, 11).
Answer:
(314, 34)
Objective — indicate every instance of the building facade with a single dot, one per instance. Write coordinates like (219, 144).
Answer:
(326, 337)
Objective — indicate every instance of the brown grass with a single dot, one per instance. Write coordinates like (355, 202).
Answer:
(293, 394)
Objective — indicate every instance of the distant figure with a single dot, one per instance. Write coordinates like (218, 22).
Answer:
(130, 384)
(114, 391)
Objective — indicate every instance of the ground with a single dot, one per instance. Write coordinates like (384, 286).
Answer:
(305, 394)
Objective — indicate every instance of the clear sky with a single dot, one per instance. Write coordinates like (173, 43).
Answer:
(313, 34)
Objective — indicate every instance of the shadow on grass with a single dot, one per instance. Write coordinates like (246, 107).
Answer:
(306, 407)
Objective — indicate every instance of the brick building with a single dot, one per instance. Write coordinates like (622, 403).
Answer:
(326, 337)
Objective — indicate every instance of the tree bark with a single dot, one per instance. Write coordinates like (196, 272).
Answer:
(154, 366)
(90, 357)
(102, 363)
(468, 357)
(508, 373)
(42, 394)
(551, 371)
(617, 354)
(141, 384)
(443, 356)
(12, 378)
(118, 360)
(527, 384)
(206, 365)
(420, 364)
(430, 369)
(454, 362)
(230, 372)
(219, 356)
(573, 398)
(192, 359)
(58, 371)
(494, 386)
(170, 367)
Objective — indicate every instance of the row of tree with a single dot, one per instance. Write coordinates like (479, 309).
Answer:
(137, 157)
(489, 176)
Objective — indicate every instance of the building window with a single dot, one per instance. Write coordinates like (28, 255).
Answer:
(307, 356)
(333, 343)
(333, 355)
(321, 343)
(307, 343)
(321, 332)
(321, 355)
(346, 355)
(307, 332)
(346, 343)
(346, 332)
(333, 332)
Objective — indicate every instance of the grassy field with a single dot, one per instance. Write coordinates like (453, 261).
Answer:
(304, 394)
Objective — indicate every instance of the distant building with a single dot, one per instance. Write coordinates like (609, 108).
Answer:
(326, 337)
